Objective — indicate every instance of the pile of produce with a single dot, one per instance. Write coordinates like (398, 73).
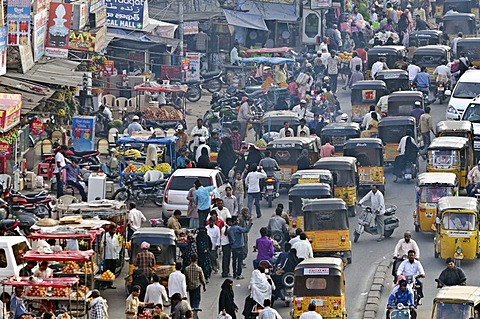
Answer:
(163, 114)
(165, 168)
(61, 292)
(81, 293)
(64, 316)
(145, 315)
(36, 291)
(108, 275)
(88, 267)
(345, 56)
(70, 267)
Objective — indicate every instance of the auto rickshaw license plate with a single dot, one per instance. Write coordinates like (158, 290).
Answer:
(408, 176)
(307, 180)
(317, 302)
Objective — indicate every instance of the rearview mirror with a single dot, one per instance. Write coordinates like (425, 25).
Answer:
(448, 92)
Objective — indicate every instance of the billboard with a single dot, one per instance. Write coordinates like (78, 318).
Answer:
(59, 22)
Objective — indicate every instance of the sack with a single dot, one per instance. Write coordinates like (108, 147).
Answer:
(302, 79)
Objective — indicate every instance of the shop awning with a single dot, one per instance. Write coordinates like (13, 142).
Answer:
(32, 94)
(245, 20)
(160, 28)
(51, 71)
(282, 12)
(139, 37)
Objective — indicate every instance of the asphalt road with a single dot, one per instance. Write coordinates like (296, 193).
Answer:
(366, 253)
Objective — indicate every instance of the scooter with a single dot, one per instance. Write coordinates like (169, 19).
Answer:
(400, 312)
(366, 223)
(410, 170)
(269, 192)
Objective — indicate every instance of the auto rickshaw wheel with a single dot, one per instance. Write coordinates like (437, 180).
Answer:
(120, 262)
(270, 200)
(349, 260)
(352, 211)
(355, 236)
(287, 303)
(458, 262)
(388, 233)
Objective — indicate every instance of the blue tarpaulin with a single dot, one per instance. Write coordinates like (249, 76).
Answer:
(159, 141)
(266, 60)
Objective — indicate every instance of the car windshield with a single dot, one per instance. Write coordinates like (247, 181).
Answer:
(472, 113)
(454, 27)
(443, 157)
(453, 221)
(433, 194)
(184, 183)
(444, 310)
(466, 90)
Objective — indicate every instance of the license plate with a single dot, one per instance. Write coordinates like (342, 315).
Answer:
(317, 302)
(476, 144)
(408, 176)
(269, 186)
(441, 89)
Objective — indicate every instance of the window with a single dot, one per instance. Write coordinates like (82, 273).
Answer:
(311, 25)
(433, 194)
(451, 310)
(218, 180)
(466, 90)
(3, 259)
(452, 221)
(19, 250)
(184, 183)
(316, 283)
(443, 157)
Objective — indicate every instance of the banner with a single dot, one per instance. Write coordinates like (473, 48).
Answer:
(3, 50)
(5, 149)
(190, 27)
(95, 5)
(40, 5)
(40, 21)
(10, 108)
(127, 14)
(193, 71)
(88, 41)
(108, 67)
(18, 22)
(83, 133)
(59, 22)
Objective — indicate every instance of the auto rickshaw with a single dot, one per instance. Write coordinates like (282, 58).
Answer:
(392, 53)
(430, 188)
(402, 103)
(326, 225)
(345, 178)
(431, 56)
(455, 128)
(339, 133)
(273, 121)
(464, 6)
(369, 155)
(307, 176)
(296, 198)
(457, 229)
(162, 245)
(364, 94)
(456, 302)
(451, 155)
(287, 150)
(395, 79)
(471, 48)
(425, 37)
(320, 280)
(454, 23)
(391, 129)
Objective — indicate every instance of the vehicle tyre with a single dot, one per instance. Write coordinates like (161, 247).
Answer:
(278, 237)
(120, 263)
(435, 253)
(43, 211)
(121, 195)
(158, 200)
(349, 260)
(288, 279)
(458, 262)
(213, 86)
(355, 236)
(287, 304)
(352, 211)
(194, 94)
(388, 233)
(270, 200)
(417, 228)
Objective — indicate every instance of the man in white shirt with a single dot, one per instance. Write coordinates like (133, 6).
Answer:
(43, 271)
(105, 111)
(402, 248)
(59, 165)
(252, 182)
(356, 61)
(134, 126)
(296, 238)
(177, 283)
(244, 115)
(377, 204)
(302, 127)
(268, 312)
(301, 110)
(155, 293)
(226, 248)
(112, 249)
(221, 210)
(454, 43)
(230, 201)
(199, 131)
(303, 247)
(403, 142)
(214, 233)
(368, 116)
(234, 58)
(286, 127)
(412, 268)
(413, 70)
(312, 313)
(443, 73)
(378, 66)
(135, 219)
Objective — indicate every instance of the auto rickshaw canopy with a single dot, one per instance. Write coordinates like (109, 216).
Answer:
(395, 79)
(294, 142)
(449, 143)
(312, 176)
(454, 126)
(273, 121)
(308, 190)
(401, 103)
(337, 165)
(454, 23)
(162, 244)
(471, 48)
(425, 37)
(319, 276)
(368, 151)
(459, 294)
(327, 266)
(364, 142)
(392, 53)
(458, 203)
(437, 179)
(432, 55)
(341, 128)
(396, 120)
(324, 204)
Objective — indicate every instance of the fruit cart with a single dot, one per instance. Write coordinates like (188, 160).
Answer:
(53, 292)
(170, 107)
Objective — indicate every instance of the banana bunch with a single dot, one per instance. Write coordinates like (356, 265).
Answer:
(165, 168)
(134, 153)
(10, 137)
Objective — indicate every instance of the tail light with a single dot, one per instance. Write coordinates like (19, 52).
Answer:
(335, 305)
(165, 193)
(343, 239)
(270, 180)
(298, 303)
(440, 84)
(294, 224)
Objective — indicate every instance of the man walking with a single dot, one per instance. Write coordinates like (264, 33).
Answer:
(156, 294)
(177, 284)
(203, 201)
(135, 219)
(252, 181)
(59, 165)
(195, 280)
(378, 207)
(214, 233)
(112, 249)
(235, 235)
(226, 248)
(98, 306)
(230, 201)
(426, 127)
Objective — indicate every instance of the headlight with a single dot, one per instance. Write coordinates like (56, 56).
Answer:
(459, 250)
(451, 109)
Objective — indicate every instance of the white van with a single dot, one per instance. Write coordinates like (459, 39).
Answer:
(467, 88)
(12, 249)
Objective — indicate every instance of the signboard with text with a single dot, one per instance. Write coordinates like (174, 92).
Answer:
(193, 71)
(5, 149)
(92, 40)
(127, 14)
(59, 22)
(3, 50)
(10, 108)
(83, 133)
(18, 22)
(40, 21)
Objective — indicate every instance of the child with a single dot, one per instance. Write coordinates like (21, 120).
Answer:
(238, 191)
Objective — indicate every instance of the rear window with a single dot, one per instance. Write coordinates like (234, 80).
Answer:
(184, 183)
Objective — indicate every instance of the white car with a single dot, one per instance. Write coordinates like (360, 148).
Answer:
(472, 114)
(467, 88)
(175, 196)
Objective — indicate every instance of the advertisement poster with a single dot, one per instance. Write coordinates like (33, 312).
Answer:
(40, 21)
(18, 22)
(190, 27)
(37, 127)
(5, 149)
(88, 41)
(83, 133)
(59, 22)
(193, 71)
(40, 5)
(3, 50)
(108, 67)
(127, 14)
(10, 108)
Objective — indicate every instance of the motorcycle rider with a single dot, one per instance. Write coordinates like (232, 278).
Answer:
(422, 81)
(282, 266)
(401, 249)
(408, 152)
(443, 73)
(270, 165)
(473, 179)
(413, 268)
(401, 294)
(197, 132)
(452, 275)
(105, 111)
(377, 203)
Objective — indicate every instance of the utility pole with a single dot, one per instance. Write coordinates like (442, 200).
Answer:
(180, 25)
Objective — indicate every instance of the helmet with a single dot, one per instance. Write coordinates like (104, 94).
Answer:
(265, 264)
(344, 117)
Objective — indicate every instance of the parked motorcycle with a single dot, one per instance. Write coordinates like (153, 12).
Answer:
(137, 190)
(212, 81)
(38, 204)
(12, 226)
(366, 223)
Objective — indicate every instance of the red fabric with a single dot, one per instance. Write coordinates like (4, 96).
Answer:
(92, 233)
(50, 282)
(77, 256)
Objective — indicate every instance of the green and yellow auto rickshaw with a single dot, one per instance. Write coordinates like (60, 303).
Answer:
(339, 133)
(307, 176)
(364, 94)
(471, 48)
(391, 129)
(454, 23)
(455, 128)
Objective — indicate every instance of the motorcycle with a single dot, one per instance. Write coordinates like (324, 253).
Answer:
(366, 223)
(194, 91)
(137, 190)
(410, 171)
(38, 204)
(399, 312)
(286, 292)
(412, 283)
(212, 81)
(219, 116)
(269, 190)
(441, 87)
(12, 226)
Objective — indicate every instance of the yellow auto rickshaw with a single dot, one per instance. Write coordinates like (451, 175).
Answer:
(326, 225)
(296, 198)
(369, 155)
(455, 128)
(321, 281)
(451, 155)
(345, 179)
(307, 176)
(338, 133)
(364, 94)
(391, 129)
(457, 229)
(457, 302)
(471, 48)
(162, 245)
(431, 56)
(287, 150)
(430, 188)
(454, 23)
